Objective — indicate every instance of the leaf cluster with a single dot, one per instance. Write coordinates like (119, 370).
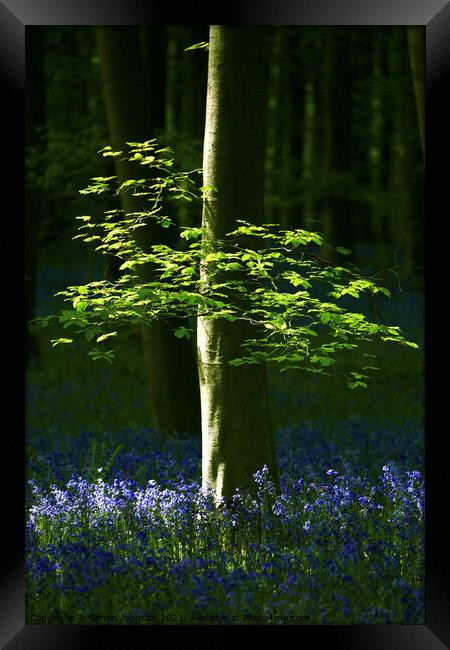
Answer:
(277, 280)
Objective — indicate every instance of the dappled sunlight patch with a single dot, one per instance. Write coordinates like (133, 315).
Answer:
(342, 542)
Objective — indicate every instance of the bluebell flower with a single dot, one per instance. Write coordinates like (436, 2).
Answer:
(148, 523)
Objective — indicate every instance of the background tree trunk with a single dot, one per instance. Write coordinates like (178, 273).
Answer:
(375, 144)
(285, 116)
(309, 128)
(35, 197)
(191, 89)
(170, 367)
(400, 221)
(334, 134)
(326, 139)
(273, 129)
(416, 47)
(236, 427)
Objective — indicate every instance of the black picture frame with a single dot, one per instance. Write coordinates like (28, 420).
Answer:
(15, 17)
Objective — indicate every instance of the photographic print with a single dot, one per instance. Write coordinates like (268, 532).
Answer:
(225, 326)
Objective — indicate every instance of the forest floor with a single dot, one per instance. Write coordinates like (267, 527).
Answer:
(118, 530)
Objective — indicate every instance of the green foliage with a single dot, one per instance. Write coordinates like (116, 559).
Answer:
(107, 355)
(277, 280)
(59, 341)
(203, 45)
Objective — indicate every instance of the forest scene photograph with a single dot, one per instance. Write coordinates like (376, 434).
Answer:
(225, 325)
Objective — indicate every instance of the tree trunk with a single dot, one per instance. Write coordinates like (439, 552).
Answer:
(401, 221)
(191, 120)
(273, 128)
(236, 427)
(416, 48)
(309, 129)
(326, 142)
(35, 196)
(153, 46)
(375, 145)
(286, 148)
(334, 112)
(172, 81)
(170, 367)
(192, 87)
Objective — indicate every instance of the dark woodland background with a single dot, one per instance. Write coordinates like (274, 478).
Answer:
(343, 156)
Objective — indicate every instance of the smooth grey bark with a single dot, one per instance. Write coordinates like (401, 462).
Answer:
(237, 437)
(170, 364)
